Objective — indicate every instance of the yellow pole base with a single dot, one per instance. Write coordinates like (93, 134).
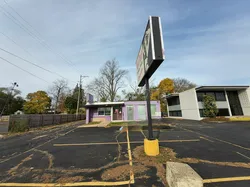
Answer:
(151, 147)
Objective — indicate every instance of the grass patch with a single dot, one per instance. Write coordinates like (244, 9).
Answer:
(94, 123)
(128, 123)
(216, 119)
(21, 125)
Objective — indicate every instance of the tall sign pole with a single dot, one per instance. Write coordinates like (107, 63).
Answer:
(150, 127)
(150, 57)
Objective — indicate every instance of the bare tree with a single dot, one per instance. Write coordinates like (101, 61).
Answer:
(109, 81)
(58, 90)
(182, 84)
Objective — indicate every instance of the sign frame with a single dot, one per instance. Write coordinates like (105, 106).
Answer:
(151, 52)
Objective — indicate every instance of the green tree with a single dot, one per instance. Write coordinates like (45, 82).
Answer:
(37, 103)
(210, 108)
(72, 99)
(10, 102)
(70, 104)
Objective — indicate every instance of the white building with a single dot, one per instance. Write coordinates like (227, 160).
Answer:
(230, 101)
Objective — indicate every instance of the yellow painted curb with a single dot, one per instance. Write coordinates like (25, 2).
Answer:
(228, 179)
(68, 184)
(239, 118)
(151, 147)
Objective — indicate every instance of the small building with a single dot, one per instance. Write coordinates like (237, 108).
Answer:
(19, 112)
(120, 111)
(230, 101)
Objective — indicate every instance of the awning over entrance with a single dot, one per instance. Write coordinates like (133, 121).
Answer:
(218, 88)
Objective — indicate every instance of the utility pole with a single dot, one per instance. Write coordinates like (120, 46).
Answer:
(79, 94)
(12, 88)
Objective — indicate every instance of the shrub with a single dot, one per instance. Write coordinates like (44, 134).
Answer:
(210, 108)
(20, 125)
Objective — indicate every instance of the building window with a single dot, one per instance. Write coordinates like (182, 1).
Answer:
(221, 112)
(176, 113)
(153, 110)
(173, 101)
(104, 111)
(219, 96)
(200, 96)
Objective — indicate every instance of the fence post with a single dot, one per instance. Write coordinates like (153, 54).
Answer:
(41, 120)
(53, 119)
(60, 119)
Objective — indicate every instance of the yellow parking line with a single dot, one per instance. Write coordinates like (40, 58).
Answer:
(119, 183)
(132, 178)
(115, 143)
(206, 139)
(228, 179)
(243, 155)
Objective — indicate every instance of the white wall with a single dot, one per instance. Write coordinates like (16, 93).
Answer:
(219, 104)
(244, 96)
(174, 107)
(189, 105)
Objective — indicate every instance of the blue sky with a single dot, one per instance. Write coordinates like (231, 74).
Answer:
(206, 42)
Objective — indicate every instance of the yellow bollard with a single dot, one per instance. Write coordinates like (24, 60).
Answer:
(151, 147)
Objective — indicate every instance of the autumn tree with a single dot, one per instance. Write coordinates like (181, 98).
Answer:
(110, 80)
(59, 91)
(166, 86)
(182, 84)
(37, 103)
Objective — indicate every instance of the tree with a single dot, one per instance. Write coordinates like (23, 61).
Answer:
(166, 86)
(10, 102)
(137, 93)
(59, 90)
(37, 103)
(71, 100)
(210, 108)
(109, 81)
(182, 84)
(70, 104)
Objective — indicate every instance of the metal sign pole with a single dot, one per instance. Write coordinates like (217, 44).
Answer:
(150, 128)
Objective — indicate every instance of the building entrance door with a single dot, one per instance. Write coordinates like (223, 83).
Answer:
(234, 103)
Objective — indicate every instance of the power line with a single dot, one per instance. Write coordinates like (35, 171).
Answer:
(34, 64)
(34, 36)
(24, 70)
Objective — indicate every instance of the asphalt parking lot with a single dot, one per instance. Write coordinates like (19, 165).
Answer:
(96, 156)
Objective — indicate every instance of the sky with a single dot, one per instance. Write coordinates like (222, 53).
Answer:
(206, 42)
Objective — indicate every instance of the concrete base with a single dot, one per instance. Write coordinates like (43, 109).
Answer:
(182, 175)
(151, 147)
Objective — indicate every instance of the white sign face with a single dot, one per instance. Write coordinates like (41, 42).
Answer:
(142, 59)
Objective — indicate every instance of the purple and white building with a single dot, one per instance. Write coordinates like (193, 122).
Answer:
(120, 111)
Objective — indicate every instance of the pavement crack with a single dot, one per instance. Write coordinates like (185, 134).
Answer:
(50, 157)
(13, 170)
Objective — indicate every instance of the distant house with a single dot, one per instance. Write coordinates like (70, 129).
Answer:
(19, 112)
(230, 101)
(120, 111)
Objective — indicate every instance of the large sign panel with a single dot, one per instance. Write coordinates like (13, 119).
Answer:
(151, 53)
